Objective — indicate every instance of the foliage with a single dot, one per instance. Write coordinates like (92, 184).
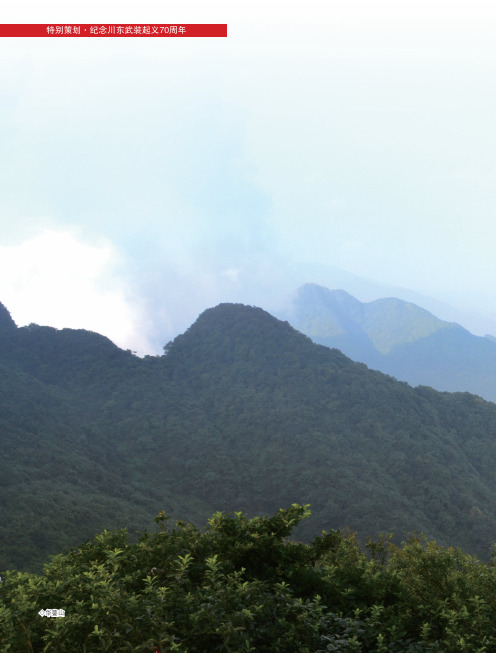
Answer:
(242, 585)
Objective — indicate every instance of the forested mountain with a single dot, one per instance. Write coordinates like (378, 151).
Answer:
(398, 338)
(241, 413)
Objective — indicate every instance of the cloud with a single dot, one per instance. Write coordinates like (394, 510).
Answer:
(231, 273)
(56, 279)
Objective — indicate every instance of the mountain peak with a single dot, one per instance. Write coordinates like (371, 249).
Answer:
(231, 334)
(312, 291)
(232, 321)
(383, 324)
(319, 311)
(6, 321)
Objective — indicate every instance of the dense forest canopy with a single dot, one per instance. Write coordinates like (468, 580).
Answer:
(242, 412)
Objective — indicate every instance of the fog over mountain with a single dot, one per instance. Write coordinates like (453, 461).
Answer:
(398, 338)
(144, 180)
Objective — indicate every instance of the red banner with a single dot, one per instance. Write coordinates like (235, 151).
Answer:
(115, 31)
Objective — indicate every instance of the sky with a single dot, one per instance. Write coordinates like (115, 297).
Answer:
(349, 143)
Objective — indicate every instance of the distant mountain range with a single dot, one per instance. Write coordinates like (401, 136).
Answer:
(242, 412)
(397, 338)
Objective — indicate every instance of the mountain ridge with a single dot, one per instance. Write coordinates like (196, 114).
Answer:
(397, 338)
(242, 412)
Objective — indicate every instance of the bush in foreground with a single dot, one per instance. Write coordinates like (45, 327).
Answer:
(243, 585)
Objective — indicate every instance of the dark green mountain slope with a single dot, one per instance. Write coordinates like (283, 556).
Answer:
(63, 476)
(397, 338)
(293, 421)
(242, 413)
(6, 321)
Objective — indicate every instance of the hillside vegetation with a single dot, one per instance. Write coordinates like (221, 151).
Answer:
(398, 338)
(241, 413)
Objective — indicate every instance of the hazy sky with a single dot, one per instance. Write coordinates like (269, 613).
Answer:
(144, 180)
